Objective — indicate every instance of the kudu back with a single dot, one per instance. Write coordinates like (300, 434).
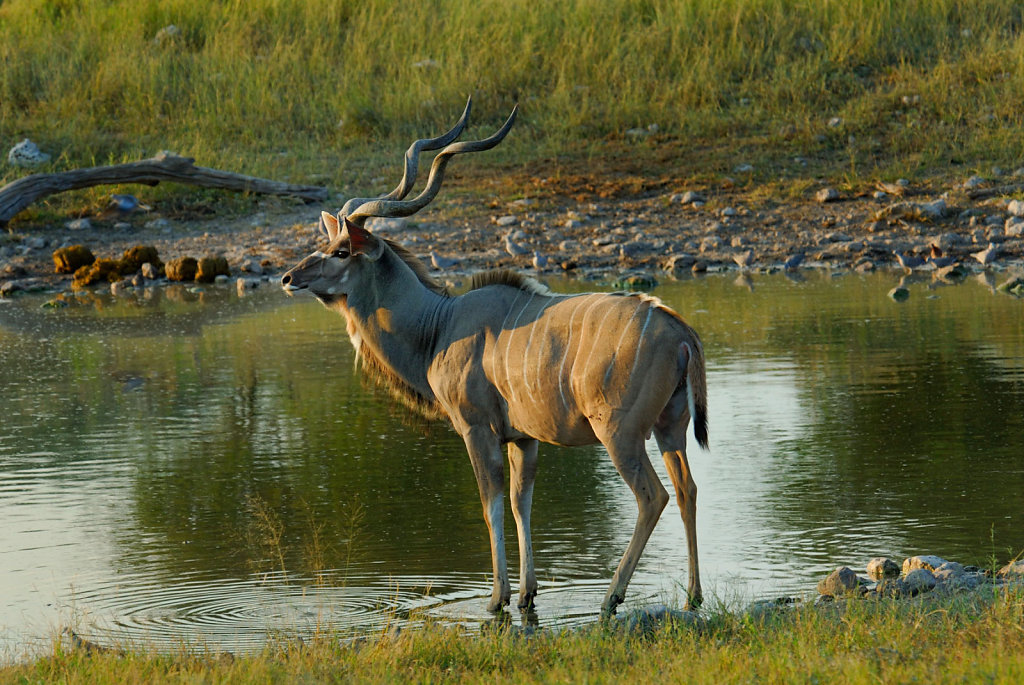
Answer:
(511, 363)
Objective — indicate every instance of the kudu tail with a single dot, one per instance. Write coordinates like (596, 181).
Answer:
(696, 387)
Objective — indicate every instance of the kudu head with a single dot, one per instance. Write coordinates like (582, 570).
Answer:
(349, 259)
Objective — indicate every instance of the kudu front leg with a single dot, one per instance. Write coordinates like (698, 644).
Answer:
(485, 454)
(522, 459)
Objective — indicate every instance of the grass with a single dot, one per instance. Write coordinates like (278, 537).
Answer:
(970, 638)
(331, 91)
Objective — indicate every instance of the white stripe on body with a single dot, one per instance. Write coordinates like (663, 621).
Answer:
(568, 346)
(529, 342)
(508, 347)
(640, 341)
(583, 328)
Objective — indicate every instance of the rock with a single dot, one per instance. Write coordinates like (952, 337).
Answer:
(149, 271)
(934, 209)
(882, 567)
(82, 224)
(899, 293)
(928, 562)
(181, 269)
(988, 255)
(244, 284)
(209, 268)
(919, 580)
(1015, 207)
(729, 212)
(637, 282)
(68, 260)
(1014, 227)
(381, 224)
(1014, 570)
(951, 272)
(837, 237)
(101, 270)
(892, 588)
(973, 182)
(835, 122)
(8, 288)
(118, 288)
(651, 618)
(842, 581)
(27, 154)
(679, 261)
(691, 196)
(252, 266)
(877, 226)
(159, 224)
(948, 571)
(134, 257)
(507, 220)
(827, 195)
(865, 266)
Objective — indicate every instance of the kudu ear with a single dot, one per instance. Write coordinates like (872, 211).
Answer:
(329, 225)
(361, 241)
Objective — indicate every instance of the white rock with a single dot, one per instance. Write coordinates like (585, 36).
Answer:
(928, 562)
(78, 224)
(1014, 227)
(835, 122)
(744, 168)
(974, 182)
(27, 154)
(827, 195)
(1015, 207)
(933, 209)
(381, 224)
(507, 220)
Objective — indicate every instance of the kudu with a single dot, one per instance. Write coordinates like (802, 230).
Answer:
(509, 362)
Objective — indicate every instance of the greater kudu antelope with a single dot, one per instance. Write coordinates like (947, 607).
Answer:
(511, 363)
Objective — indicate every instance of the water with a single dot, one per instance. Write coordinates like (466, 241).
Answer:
(208, 469)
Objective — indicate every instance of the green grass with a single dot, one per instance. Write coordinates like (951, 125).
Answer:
(966, 639)
(331, 91)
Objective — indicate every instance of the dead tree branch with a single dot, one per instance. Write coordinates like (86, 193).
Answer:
(17, 195)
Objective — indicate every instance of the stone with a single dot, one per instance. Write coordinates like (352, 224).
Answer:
(108, 270)
(691, 196)
(159, 224)
(827, 195)
(929, 562)
(842, 581)
(651, 618)
(877, 226)
(68, 260)
(134, 257)
(507, 220)
(1014, 227)
(82, 224)
(892, 588)
(1015, 207)
(27, 154)
(252, 266)
(634, 249)
(882, 567)
(1013, 570)
(679, 261)
(209, 268)
(149, 271)
(948, 571)
(118, 288)
(181, 269)
(973, 182)
(934, 209)
(866, 266)
(919, 580)
(382, 224)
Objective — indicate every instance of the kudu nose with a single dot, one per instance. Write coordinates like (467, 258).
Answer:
(286, 279)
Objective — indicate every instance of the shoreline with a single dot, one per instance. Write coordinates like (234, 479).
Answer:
(627, 235)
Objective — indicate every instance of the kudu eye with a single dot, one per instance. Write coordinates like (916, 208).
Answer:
(341, 253)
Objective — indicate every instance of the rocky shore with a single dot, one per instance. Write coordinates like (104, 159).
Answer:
(949, 229)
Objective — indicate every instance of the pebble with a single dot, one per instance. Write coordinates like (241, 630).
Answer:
(82, 224)
(507, 220)
(882, 567)
(840, 582)
(1015, 207)
(827, 195)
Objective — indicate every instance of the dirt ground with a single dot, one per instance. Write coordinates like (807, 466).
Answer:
(613, 226)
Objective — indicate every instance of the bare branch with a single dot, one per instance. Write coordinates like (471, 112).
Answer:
(17, 195)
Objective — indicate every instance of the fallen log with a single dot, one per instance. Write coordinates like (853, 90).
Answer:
(17, 195)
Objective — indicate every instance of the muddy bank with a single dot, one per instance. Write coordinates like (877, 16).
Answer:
(632, 229)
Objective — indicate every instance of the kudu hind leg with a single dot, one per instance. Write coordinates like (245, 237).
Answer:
(672, 443)
(522, 459)
(485, 455)
(630, 459)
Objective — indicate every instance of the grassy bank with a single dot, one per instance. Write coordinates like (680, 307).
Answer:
(330, 91)
(976, 639)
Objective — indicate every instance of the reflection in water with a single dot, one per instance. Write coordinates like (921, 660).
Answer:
(191, 465)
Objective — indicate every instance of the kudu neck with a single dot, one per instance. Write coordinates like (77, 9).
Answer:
(397, 319)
